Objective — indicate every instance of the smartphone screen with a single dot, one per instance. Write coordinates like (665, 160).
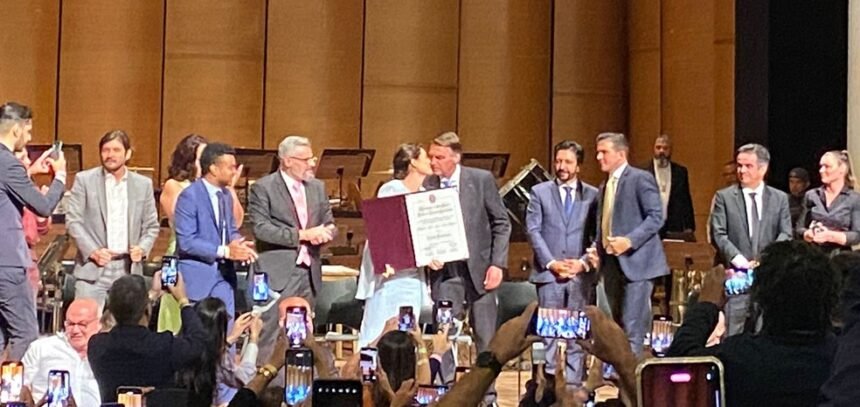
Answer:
(407, 319)
(299, 375)
(444, 313)
(662, 333)
(296, 325)
(169, 271)
(260, 292)
(427, 395)
(561, 323)
(367, 363)
(664, 384)
(11, 381)
(739, 281)
(129, 396)
(58, 388)
(346, 393)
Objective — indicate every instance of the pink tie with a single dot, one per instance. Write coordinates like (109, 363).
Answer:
(302, 210)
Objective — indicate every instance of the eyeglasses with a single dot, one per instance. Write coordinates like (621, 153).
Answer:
(308, 160)
(81, 324)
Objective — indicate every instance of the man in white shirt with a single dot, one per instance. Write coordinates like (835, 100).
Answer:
(112, 217)
(746, 218)
(66, 351)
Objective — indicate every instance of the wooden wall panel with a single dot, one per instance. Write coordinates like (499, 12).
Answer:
(313, 72)
(110, 75)
(644, 57)
(504, 82)
(213, 72)
(28, 61)
(589, 60)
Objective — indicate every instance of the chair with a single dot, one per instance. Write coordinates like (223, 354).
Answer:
(336, 306)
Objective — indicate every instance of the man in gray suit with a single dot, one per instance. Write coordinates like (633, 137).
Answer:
(112, 217)
(745, 218)
(488, 232)
(17, 191)
(630, 216)
(292, 219)
(561, 221)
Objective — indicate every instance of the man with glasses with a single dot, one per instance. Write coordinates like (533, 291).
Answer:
(66, 351)
(292, 219)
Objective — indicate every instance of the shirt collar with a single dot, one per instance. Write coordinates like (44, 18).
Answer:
(845, 190)
(211, 189)
(573, 183)
(455, 176)
(291, 182)
(109, 175)
(758, 190)
(618, 171)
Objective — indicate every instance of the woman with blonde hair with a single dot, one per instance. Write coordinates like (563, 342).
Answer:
(831, 213)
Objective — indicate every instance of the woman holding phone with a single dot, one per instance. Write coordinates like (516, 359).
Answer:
(831, 215)
(385, 293)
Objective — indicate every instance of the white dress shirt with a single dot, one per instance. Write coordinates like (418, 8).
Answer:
(116, 197)
(739, 261)
(573, 183)
(212, 190)
(454, 181)
(56, 353)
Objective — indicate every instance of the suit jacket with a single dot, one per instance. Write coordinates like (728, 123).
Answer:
(17, 192)
(198, 238)
(554, 236)
(488, 227)
(637, 215)
(276, 227)
(679, 211)
(86, 218)
(730, 232)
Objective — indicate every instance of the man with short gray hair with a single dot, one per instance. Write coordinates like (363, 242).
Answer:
(291, 219)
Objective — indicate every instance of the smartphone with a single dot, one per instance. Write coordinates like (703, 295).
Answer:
(664, 381)
(662, 333)
(130, 396)
(59, 388)
(169, 271)
(367, 362)
(561, 323)
(739, 281)
(56, 149)
(427, 395)
(406, 322)
(460, 372)
(260, 292)
(444, 314)
(298, 375)
(296, 326)
(346, 393)
(11, 381)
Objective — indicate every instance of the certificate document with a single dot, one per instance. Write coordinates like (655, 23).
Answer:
(436, 226)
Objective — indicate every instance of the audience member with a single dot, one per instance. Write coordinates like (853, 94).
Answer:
(250, 395)
(798, 183)
(132, 355)
(66, 351)
(831, 212)
(324, 360)
(841, 388)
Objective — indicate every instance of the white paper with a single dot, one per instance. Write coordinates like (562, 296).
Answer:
(436, 225)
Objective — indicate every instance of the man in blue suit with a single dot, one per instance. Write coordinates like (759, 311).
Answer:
(561, 221)
(207, 239)
(630, 215)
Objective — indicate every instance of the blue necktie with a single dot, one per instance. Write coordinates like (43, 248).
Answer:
(222, 216)
(568, 201)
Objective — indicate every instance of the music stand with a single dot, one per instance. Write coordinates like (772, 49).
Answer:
(496, 163)
(344, 163)
(257, 164)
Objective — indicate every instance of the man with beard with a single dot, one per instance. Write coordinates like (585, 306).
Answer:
(112, 218)
(798, 183)
(674, 189)
(17, 191)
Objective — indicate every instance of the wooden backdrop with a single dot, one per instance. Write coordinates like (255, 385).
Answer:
(511, 76)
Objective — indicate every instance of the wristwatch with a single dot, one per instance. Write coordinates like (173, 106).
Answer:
(488, 360)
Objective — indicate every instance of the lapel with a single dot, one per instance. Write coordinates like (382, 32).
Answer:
(309, 203)
(464, 184)
(102, 196)
(555, 196)
(622, 180)
(129, 190)
(765, 204)
(742, 208)
(579, 207)
(208, 202)
(281, 186)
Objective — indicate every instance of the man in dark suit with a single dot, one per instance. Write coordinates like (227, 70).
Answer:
(292, 219)
(207, 240)
(488, 232)
(745, 218)
(17, 191)
(674, 189)
(630, 216)
(561, 221)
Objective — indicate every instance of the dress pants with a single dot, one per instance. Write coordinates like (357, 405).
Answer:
(17, 311)
(98, 289)
(629, 302)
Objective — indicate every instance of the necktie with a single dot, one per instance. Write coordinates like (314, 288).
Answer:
(755, 223)
(302, 211)
(606, 216)
(568, 201)
(222, 217)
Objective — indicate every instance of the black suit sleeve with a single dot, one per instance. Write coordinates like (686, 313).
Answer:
(190, 343)
(691, 338)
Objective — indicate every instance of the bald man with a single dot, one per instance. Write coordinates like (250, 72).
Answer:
(66, 351)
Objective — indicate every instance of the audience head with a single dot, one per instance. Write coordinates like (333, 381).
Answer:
(396, 353)
(798, 181)
(835, 166)
(128, 300)
(796, 289)
(115, 149)
(297, 158)
(201, 376)
(82, 322)
(445, 153)
(730, 173)
(752, 162)
(663, 150)
(409, 158)
(214, 317)
(568, 157)
(218, 164)
(612, 151)
(16, 123)
(185, 162)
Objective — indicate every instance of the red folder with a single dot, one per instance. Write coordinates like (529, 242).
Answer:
(386, 225)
